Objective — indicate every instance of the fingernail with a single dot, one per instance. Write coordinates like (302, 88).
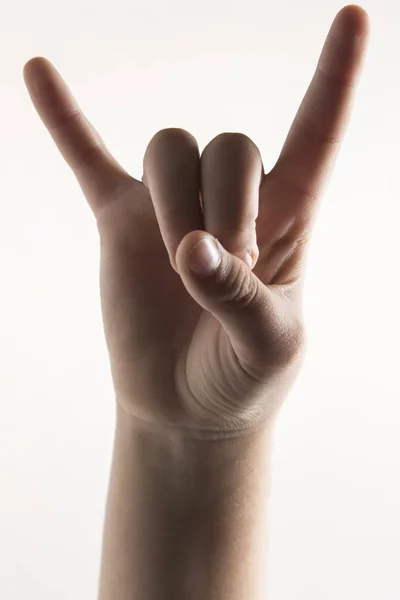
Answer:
(247, 258)
(204, 257)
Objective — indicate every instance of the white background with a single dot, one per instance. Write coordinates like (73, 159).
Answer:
(207, 67)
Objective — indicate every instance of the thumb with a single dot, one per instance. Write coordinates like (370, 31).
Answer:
(255, 318)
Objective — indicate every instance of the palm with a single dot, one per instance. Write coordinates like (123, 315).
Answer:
(158, 337)
(149, 318)
(162, 344)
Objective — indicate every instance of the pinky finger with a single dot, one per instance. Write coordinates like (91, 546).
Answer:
(98, 173)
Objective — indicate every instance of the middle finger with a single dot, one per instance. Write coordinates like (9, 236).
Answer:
(171, 171)
(231, 173)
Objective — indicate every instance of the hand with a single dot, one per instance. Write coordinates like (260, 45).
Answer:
(217, 352)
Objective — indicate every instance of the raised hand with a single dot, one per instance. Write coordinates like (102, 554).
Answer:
(212, 354)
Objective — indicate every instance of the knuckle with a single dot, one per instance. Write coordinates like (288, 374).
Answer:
(293, 342)
(238, 289)
(66, 119)
(232, 143)
(172, 135)
(231, 137)
(283, 337)
(279, 349)
(168, 142)
(89, 157)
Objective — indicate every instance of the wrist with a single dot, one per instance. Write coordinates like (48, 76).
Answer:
(182, 448)
(174, 433)
(196, 511)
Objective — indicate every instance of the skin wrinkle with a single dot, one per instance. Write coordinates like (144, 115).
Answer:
(296, 247)
(164, 467)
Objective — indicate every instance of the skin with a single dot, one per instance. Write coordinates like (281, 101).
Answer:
(193, 358)
(158, 320)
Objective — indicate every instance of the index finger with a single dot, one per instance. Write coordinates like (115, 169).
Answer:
(313, 141)
(98, 173)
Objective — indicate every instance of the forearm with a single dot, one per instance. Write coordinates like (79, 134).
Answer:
(185, 519)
